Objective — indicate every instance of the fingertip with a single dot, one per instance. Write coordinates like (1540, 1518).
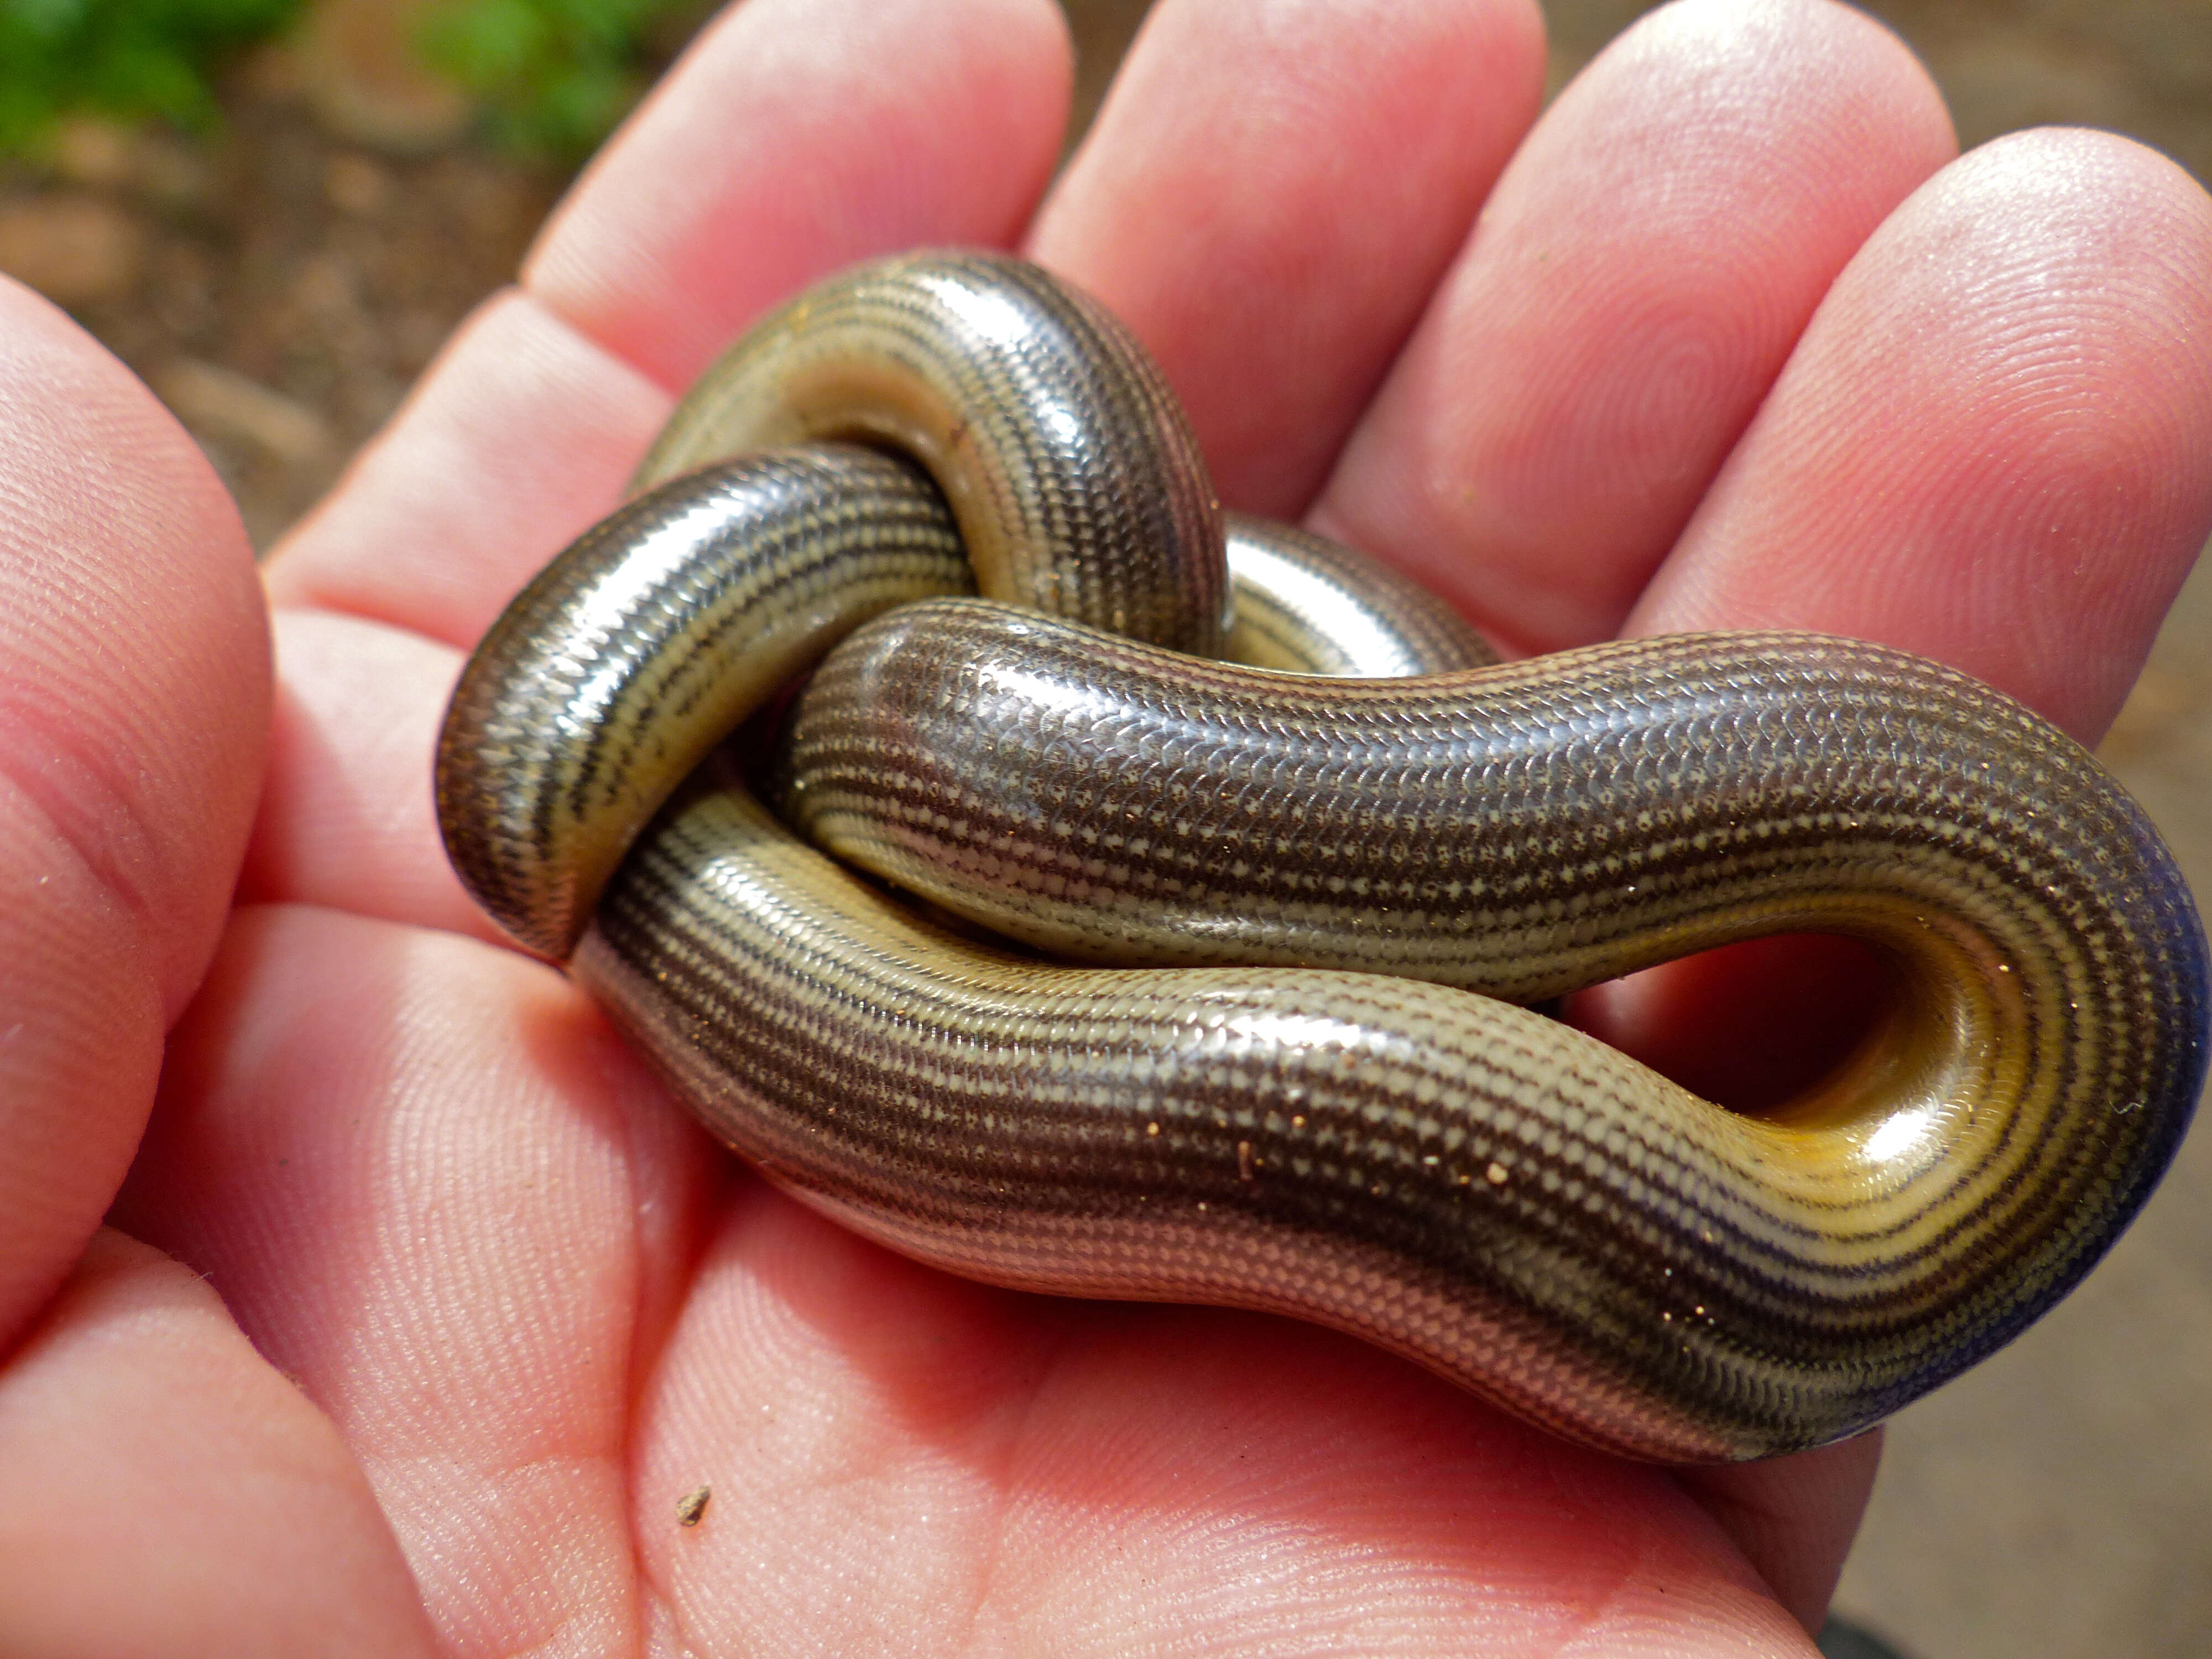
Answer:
(1994, 444)
(1637, 281)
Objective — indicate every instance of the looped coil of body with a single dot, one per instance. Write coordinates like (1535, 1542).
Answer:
(1259, 1037)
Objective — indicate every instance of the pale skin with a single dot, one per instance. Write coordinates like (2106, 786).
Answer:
(418, 1309)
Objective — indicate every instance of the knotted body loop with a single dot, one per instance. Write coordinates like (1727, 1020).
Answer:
(1330, 1103)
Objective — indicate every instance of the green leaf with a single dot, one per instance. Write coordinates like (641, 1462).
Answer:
(557, 75)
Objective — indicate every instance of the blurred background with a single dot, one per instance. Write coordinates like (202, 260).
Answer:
(275, 212)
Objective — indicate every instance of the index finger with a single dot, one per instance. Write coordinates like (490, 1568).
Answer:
(795, 136)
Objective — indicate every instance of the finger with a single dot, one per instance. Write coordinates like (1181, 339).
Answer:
(133, 711)
(819, 132)
(1794, 1518)
(795, 136)
(349, 820)
(168, 1493)
(889, 1448)
(1994, 445)
(1637, 279)
(1272, 234)
(519, 436)
(461, 1244)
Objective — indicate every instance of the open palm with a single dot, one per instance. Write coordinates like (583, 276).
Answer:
(1727, 338)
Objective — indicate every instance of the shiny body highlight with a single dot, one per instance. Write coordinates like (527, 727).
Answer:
(1454, 1177)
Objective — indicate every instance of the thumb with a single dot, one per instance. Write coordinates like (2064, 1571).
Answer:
(134, 708)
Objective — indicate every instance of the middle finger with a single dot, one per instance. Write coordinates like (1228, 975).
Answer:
(1269, 196)
(1635, 281)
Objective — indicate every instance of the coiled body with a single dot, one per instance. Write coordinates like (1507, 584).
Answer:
(1447, 1174)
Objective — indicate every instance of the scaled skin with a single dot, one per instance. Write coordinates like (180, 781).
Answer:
(1733, 341)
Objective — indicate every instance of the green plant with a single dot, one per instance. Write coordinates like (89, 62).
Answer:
(128, 58)
(556, 74)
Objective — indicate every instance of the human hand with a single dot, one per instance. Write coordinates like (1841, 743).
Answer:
(1702, 364)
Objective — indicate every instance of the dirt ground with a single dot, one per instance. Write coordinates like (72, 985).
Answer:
(280, 287)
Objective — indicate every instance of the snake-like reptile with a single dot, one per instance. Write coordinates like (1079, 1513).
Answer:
(1330, 1105)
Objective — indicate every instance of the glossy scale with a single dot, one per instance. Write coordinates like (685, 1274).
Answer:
(1447, 1174)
